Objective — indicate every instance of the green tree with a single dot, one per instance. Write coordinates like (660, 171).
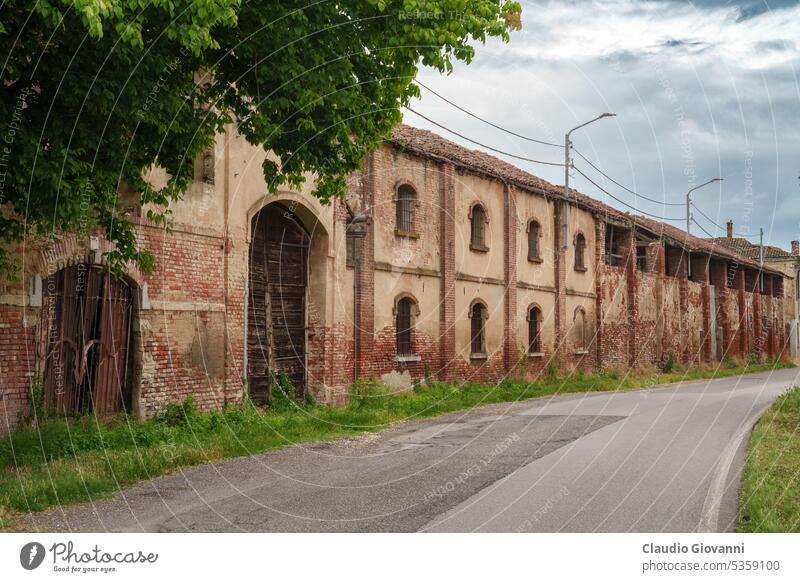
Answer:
(97, 92)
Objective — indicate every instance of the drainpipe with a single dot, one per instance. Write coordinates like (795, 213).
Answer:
(356, 234)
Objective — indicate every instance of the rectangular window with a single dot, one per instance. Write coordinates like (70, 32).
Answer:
(641, 258)
(534, 341)
(404, 343)
(406, 198)
(478, 318)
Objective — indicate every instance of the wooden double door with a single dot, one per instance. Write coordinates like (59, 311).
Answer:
(85, 329)
(278, 280)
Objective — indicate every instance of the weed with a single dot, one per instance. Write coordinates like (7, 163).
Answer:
(553, 370)
(669, 364)
(177, 413)
(282, 394)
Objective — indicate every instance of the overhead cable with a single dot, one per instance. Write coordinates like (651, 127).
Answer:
(596, 185)
(486, 121)
(642, 196)
(469, 139)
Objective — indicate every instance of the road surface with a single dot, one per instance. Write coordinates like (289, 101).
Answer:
(662, 459)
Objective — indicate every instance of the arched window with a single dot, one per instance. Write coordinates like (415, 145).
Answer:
(405, 202)
(477, 317)
(404, 327)
(580, 252)
(478, 221)
(580, 330)
(534, 232)
(534, 330)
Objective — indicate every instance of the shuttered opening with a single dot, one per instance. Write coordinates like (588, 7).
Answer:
(276, 329)
(86, 329)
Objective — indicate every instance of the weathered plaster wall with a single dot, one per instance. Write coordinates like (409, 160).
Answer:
(190, 323)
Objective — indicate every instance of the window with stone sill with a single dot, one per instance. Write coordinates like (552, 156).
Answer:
(477, 317)
(534, 331)
(405, 331)
(405, 206)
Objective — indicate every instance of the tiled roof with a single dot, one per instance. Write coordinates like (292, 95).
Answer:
(748, 249)
(431, 145)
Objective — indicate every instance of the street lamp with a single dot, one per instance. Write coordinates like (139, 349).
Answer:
(689, 201)
(567, 145)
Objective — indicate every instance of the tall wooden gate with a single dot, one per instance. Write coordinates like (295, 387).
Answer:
(276, 330)
(85, 327)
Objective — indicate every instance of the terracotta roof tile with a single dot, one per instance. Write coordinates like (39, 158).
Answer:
(748, 249)
(431, 145)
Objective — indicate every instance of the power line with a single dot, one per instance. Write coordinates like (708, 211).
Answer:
(585, 159)
(486, 121)
(700, 226)
(596, 185)
(429, 120)
(704, 215)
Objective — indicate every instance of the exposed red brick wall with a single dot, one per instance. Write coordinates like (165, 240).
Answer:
(17, 366)
(447, 253)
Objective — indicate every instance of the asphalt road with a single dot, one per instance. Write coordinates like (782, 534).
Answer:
(662, 459)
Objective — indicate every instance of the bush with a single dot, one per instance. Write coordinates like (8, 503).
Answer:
(177, 414)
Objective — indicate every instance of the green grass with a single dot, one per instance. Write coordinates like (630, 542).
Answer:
(59, 462)
(769, 500)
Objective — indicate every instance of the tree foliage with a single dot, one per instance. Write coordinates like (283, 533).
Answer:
(95, 93)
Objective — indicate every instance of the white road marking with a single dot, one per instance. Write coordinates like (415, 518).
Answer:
(709, 518)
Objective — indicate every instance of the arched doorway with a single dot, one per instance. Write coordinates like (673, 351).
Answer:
(276, 324)
(86, 330)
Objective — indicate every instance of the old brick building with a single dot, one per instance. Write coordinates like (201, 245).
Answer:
(443, 262)
(788, 263)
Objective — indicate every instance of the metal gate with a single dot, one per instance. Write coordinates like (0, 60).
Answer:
(86, 324)
(276, 329)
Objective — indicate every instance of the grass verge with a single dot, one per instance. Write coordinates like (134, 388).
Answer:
(59, 461)
(769, 499)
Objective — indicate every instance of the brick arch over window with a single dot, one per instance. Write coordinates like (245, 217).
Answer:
(406, 201)
(534, 240)
(534, 319)
(72, 249)
(580, 251)
(478, 221)
(478, 314)
(406, 311)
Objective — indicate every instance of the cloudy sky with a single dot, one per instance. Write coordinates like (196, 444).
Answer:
(701, 89)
